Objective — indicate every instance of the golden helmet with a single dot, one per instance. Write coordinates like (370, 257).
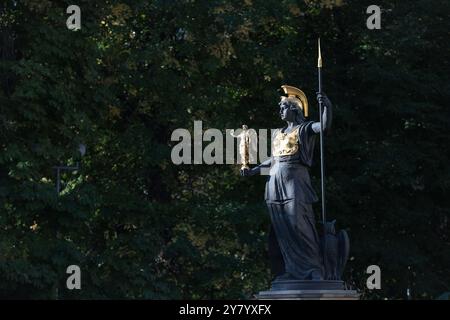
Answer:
(298, 96)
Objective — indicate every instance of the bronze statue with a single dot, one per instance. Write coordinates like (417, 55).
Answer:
(300, 258)
(289, 194)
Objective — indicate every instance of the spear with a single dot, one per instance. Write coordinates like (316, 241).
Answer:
(322, 160)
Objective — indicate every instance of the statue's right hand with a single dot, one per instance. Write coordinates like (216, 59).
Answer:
(323, 98)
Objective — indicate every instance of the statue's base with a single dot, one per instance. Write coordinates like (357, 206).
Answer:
(308, 295)
(307, 285)
(308, 290)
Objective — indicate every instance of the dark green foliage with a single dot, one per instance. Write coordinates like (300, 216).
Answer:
(141, 227)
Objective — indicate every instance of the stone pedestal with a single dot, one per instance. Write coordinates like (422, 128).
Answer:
(308, 290)
(308, 295)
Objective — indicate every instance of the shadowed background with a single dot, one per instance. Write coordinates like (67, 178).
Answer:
(139, 226)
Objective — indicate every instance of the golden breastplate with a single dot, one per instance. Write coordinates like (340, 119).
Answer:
(285, 144)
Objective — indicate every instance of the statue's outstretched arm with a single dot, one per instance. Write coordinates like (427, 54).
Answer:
(256, 170)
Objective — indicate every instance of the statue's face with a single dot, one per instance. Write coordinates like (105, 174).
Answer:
(286, 113)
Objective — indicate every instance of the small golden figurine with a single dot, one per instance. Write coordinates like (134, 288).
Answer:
(244, 146)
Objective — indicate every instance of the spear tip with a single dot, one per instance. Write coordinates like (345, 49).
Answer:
(319, 60)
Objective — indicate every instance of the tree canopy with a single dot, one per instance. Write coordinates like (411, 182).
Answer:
(141, 227)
